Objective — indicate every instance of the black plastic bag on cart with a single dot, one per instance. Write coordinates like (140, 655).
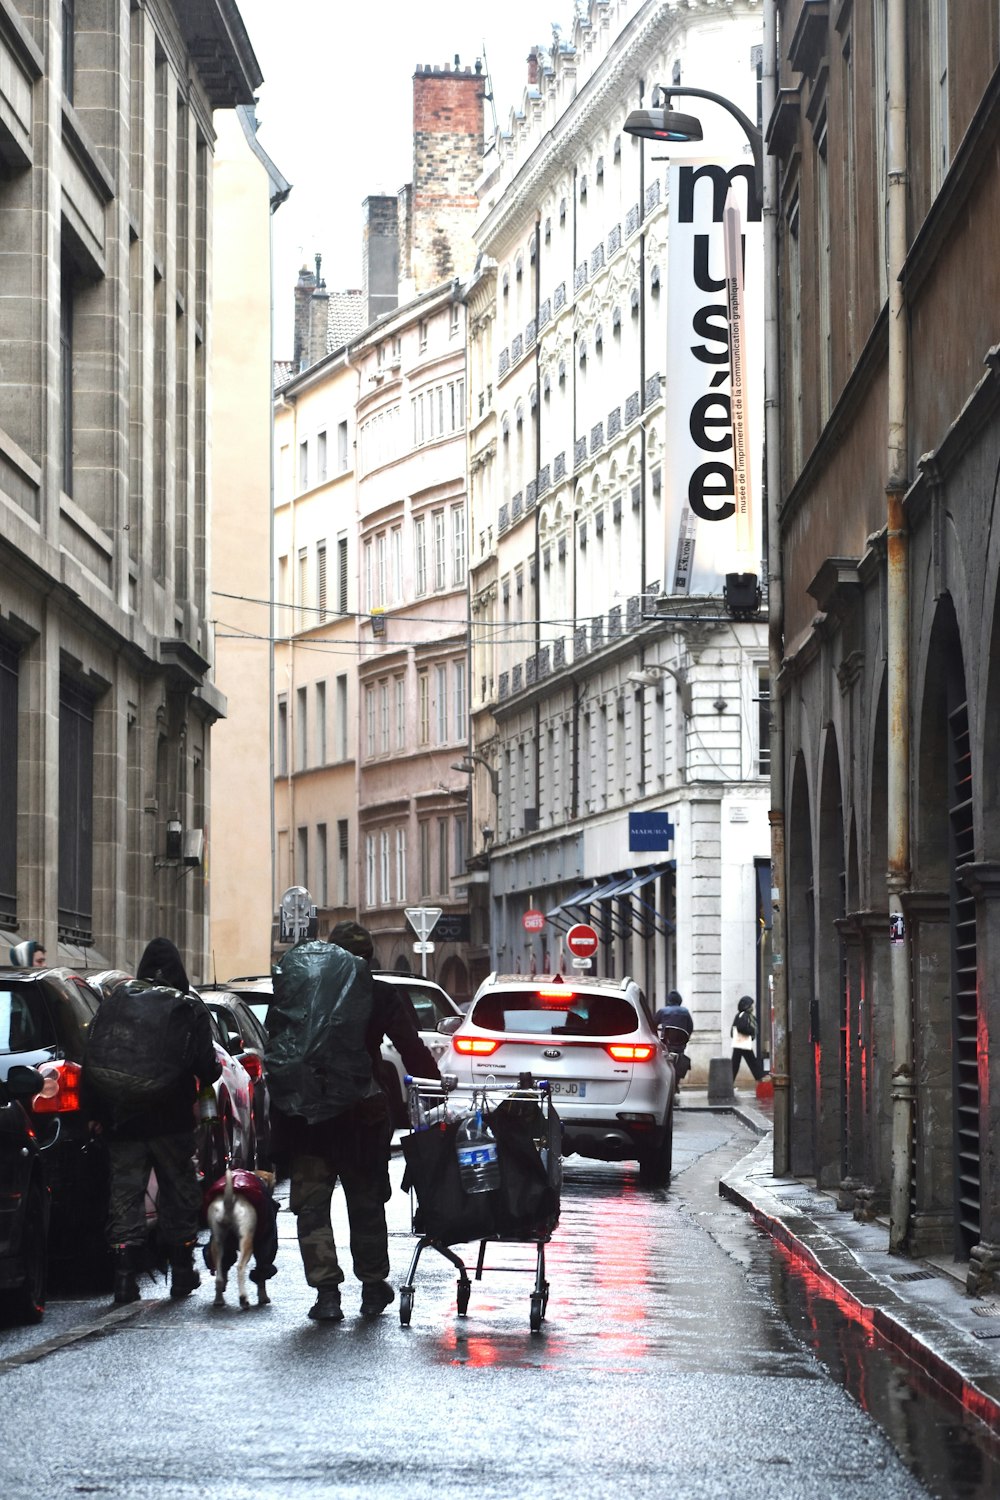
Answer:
(527, 1205)
(444, 1210)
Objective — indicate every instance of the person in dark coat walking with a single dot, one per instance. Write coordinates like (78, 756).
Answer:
(744, 1038)
(352, 1147)
(160, 1136)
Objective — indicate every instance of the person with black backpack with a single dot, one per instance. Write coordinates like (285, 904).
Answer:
(329, 1117)
(149, 1051)
(744, 1038)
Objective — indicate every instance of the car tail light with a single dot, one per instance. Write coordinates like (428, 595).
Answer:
(253, 1065)
(630, 1051)
(476, 1046)
(560, 994)
(61, 1094)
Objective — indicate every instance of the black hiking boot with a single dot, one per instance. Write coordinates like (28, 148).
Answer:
(126, 1280)
(327, 1308)
(375, 1298)
(183, 1276)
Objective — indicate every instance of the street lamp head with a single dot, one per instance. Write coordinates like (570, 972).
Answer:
(663, 125)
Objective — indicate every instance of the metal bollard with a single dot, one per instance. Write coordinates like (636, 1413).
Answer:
(720, 1080)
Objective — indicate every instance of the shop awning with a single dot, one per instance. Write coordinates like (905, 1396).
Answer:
(639, 880)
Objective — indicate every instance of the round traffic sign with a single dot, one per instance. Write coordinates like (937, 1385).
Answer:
(581, 940)
(533, 921)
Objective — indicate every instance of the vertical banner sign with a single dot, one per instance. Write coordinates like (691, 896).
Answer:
(709, 525)
(747, 555)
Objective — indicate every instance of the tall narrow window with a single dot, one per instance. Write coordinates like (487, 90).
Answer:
(401, 866)
(321, 610)
(282, 747)
(396, 596)
(303, 589)
(371, 871)
(383, 718)
(343, 448)
(400, 689)
(9, 673)
(301, 730)
(320, 885)
(369, 575)
(383, 866)
(793, 394)
(381, 575)
(66, 377)
(370, 740)
(460, 835)
(425, 858)
(321, 458)
(302, 857)
(444, 852)
(441, 705)
(320, 691)
(340, 726)
(423, 709)
(763, 721)
(343, 863)
(76, 808)
(459, 559)
(823, 252)
(440, 561)
(419, 556)
(342, 575)
(459, 701)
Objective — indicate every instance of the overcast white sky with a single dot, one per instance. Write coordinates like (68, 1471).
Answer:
(335, 107)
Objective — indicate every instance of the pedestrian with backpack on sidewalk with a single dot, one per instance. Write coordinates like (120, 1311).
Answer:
(149, 1052)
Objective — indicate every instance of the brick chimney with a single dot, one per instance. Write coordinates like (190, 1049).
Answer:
(380, 254)
(447, 159)
(304, 288)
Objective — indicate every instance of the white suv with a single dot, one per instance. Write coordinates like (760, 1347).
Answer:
(594, 1041)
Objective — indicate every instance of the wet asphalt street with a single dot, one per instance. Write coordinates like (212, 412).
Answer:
(679, 1356)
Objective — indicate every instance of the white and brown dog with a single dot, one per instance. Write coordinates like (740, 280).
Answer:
(241, 1216)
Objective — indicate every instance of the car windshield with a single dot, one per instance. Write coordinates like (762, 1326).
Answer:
(545, 1014)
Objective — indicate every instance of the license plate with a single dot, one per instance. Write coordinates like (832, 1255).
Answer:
(563, 1086)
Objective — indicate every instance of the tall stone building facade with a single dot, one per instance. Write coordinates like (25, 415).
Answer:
(106, 690)
(889, 683)
(616, 709)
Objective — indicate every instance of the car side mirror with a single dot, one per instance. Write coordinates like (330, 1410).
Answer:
(450, 1025)
(24, 1083)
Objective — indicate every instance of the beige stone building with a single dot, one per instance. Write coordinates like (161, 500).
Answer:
(248, 188)
(107, 696)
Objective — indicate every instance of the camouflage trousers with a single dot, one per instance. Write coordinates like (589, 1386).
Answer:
(354, 1150)
(178, 1189)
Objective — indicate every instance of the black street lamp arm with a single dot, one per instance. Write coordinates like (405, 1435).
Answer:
(480, 760)
(666, 92)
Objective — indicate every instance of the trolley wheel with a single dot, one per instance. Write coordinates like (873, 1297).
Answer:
(462, 1297)
(405, 1305)
(537, 1311)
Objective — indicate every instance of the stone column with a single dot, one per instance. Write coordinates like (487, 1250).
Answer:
(854, 1122)
(932, 1223)
(876, 1062)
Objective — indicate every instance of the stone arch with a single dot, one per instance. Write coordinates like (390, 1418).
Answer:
(801, 953)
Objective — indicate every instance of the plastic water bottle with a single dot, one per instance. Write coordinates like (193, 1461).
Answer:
(476, 1147)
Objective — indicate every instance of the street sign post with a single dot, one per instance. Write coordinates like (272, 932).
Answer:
(423, 920)
(581, 941)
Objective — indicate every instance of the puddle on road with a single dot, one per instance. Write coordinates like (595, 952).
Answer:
(943, 1445)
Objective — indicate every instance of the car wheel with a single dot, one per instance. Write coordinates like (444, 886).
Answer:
(656, 1164)
(26, 1303)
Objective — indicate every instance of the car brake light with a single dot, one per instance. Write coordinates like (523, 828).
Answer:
(559, 994)
(630, 1051)
(479, 1046)
(253, 1065)
(61, 1094)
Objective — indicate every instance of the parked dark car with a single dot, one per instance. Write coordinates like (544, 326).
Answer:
(24, 1202)
(246, 1040)
(45, 1015)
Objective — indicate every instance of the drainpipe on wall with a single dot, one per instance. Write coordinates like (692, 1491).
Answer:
(897, 643)
(775, 616)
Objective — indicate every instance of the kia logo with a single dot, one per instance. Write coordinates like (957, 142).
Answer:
(552, 1052)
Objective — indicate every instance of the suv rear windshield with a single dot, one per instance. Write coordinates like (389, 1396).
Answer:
(555, 1015)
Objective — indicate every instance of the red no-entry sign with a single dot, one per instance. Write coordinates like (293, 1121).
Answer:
(581, 941)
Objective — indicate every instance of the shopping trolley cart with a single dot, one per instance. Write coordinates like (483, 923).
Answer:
(523, 1209)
